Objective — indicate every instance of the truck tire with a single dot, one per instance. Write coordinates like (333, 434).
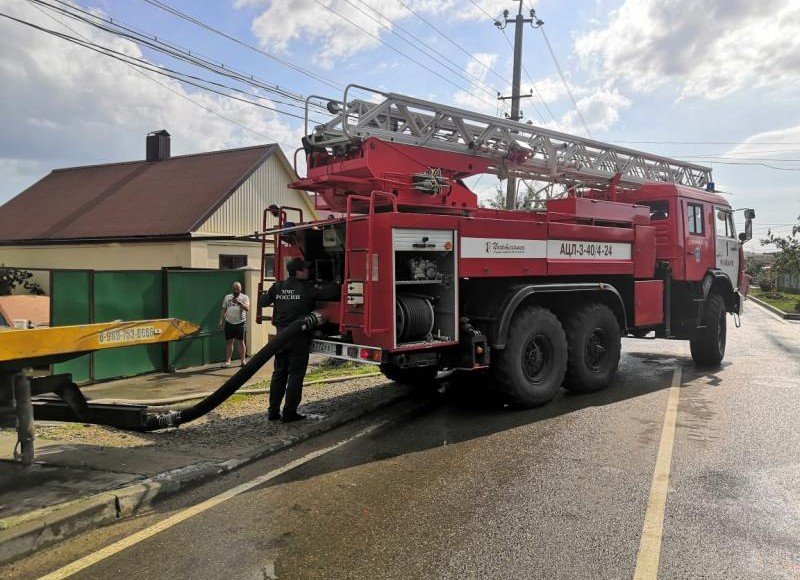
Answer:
(708, 344)
(593, 346)
(415, 376)
(530, 369)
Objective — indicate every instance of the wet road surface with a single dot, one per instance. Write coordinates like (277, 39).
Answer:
(461, 489)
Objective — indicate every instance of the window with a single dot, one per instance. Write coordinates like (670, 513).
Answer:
(659, 209)
(724, 224)
(269, 266)
(695, 212)
(232, 261)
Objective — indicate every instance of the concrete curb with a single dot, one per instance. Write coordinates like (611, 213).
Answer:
(203, 395)
(774, 310)
(27, 534)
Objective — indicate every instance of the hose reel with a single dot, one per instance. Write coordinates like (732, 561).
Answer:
(414, 317)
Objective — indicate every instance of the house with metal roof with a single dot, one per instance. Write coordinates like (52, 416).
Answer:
(190, 211)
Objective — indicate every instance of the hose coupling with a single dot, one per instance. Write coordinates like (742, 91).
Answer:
(165, 420)
(313, 320)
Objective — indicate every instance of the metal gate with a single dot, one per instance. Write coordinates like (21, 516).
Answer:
(85, 296)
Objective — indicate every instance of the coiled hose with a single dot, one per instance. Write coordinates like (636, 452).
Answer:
(153, 421)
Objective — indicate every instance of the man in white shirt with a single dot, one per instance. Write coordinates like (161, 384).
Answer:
(234, 316)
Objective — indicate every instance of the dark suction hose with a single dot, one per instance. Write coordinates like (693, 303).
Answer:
(153, 421)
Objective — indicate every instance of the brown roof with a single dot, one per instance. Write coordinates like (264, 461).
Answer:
(136, 199)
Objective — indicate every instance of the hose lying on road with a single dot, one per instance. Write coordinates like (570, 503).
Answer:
(153, 421)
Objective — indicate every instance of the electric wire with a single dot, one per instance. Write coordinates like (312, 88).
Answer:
(395, 49)
(197, 22)
(564, 80)
(172, 90)
(453, 42)
(482, 84)
(143, 64)
(119, 28)
(533, 86)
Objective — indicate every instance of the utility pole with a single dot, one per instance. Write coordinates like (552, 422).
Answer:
(519, 21)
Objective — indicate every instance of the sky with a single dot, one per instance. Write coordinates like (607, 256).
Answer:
(710, 81)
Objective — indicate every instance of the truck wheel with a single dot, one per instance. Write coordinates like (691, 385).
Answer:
(415, 376)
(708, 344)
(593, 343)
(530, 369)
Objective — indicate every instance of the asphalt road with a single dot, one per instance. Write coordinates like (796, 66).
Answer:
(465, 490)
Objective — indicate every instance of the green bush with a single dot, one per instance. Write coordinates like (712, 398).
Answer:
(766, 284)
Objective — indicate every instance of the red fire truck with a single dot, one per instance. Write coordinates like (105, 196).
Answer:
(626, 244)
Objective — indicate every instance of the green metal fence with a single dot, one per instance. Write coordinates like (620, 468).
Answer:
(84, 296)
(196, 295)
(73, 289)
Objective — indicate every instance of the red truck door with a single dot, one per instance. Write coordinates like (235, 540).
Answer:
(698, 239)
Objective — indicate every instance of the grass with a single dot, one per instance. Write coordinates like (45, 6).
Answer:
(787, 301)
(342, 370)
(327, 371)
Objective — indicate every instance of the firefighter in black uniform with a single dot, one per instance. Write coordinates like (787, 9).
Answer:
(293, 298)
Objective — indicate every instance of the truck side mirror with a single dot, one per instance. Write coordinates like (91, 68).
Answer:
(749, 214)
(747, 234)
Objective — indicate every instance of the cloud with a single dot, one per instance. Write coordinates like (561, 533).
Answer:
(340, 28)
(477, 98)
(343, 28)
(63, 105)
(706, 48)
(769, 143)
(601, 109)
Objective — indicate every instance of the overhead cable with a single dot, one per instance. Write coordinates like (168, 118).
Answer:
(482, 84)
(141, 63)
(453, 42)
(398, 51)
(566, 84)
(183, 96)
(197, 22)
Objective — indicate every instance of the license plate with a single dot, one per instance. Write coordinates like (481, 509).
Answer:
(323, 347)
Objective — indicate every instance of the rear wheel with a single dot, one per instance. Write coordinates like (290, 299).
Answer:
(530, 369)
(708, 344)
(593, 341)
(415, 376)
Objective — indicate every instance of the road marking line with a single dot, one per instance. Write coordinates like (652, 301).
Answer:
(650, 543)
(184, 515)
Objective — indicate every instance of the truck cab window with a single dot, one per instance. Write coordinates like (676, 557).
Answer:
(724, 224)
(695, 215)
(659, 209)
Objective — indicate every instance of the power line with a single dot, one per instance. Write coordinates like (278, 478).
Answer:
(197, 22)
(172, 90)
(564, 80)
(533, 85)
(401, 53)
(481, 83)
(453, 42)
(143, 64)
(119, 28)
(709, 143)
(478, 6)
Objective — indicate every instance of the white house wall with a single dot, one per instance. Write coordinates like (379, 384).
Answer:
(100, 256)
(241, 214)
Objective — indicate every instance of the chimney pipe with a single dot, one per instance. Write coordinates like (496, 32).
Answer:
(157, 146)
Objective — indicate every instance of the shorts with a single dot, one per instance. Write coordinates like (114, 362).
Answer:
(234, 331)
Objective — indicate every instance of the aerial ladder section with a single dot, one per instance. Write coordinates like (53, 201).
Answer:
(520, 150)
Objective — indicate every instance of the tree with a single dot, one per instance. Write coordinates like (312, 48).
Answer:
(787, 258)
(527, 198)
(10, 278)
